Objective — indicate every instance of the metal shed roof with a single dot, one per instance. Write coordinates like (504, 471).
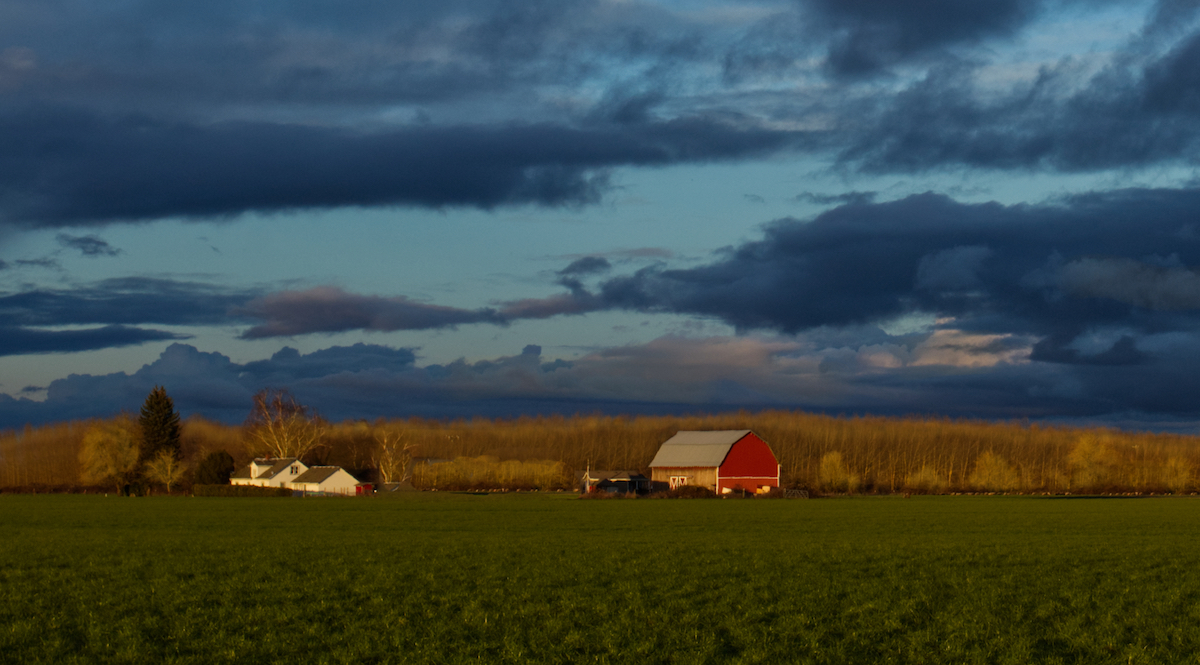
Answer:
(697, 448)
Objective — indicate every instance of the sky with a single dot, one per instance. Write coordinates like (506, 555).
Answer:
(522, 207)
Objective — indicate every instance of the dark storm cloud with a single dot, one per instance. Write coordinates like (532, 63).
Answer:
(365, 54)
(586, 265)
(15, 341)
(359, 381)
(1148, 286)
(120, 307)
(89, 245)
(66, 168)
(44, 262)
(1041, 269)
(871, 35)
(667, 375)
(328, 309)
(860, 38)
(124, 301)
(1136, 112)
(828, 199)
(137, 112)
(1053, 270)
(289, 365)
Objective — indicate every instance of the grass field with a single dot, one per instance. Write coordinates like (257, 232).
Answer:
(444, 578)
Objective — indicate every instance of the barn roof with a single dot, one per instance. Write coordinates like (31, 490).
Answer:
(697, 448)
(317, 474)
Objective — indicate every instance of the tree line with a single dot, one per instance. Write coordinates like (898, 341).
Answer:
(155, 451)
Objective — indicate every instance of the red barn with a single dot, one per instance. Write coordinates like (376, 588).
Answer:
(722, 461)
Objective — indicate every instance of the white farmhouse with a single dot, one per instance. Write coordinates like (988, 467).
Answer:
(269, 472)
(326, 479)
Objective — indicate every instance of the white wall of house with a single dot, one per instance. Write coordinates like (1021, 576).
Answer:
(338, 483)
(284, 478)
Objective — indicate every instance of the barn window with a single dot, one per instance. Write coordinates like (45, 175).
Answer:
(678, 481)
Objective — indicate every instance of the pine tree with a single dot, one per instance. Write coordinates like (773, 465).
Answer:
(160, 425)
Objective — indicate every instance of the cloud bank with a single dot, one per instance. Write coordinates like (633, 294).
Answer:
(1055, 271)
(104, 118)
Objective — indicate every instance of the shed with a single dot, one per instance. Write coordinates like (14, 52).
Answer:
(613, 482)
(722, 461)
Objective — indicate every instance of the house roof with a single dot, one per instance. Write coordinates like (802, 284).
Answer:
(697, 448)
(277, 466)
(243, 473)
(317, 474)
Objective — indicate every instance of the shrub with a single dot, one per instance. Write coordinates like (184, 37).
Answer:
(993, 473)
(925, 481)
(686, 492)
(601, 494)
(239, 490)
(1177, 475)
(1092, 462)
(486, 472)
(835, 476)
(110, 452)
(215, 469)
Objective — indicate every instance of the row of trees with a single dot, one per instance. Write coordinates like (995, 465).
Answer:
(825, 453)
(126, 452)
(1093, 465)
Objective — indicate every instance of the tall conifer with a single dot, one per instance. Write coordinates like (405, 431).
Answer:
(160, 425)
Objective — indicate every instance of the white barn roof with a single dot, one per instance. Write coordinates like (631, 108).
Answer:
(697, 448)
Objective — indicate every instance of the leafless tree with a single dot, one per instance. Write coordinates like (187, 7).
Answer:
(165, 468)
(392, 457)
(282, 427)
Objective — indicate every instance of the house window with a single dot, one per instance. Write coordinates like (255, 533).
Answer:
(295, 470)
(678, 481)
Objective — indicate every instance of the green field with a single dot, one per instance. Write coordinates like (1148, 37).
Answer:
(550, 578)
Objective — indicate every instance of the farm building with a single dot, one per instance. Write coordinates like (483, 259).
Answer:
(292, 473)
(722, 461)
(326, 480)
(613, 482)
(269, 472)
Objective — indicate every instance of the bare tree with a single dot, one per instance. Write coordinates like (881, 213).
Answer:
(281, 426)
(392, 457)
(165, 468)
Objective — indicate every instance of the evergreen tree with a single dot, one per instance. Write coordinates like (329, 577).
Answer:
(160, 426)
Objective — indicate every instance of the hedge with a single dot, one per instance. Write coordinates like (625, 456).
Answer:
(239, 490)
